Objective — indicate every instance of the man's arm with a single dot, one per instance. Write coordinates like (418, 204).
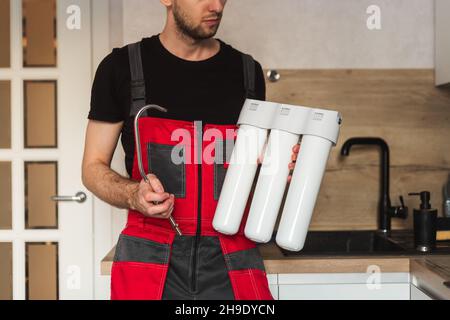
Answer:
(111, 187)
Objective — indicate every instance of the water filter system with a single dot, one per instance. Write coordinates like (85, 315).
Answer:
(268, 131)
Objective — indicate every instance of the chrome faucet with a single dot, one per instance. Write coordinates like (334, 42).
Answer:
(385, 210)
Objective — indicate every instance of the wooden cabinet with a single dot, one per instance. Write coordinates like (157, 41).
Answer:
(351, 291)
(344, 286)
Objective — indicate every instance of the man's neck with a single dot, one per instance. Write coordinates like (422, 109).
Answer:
(187, 48)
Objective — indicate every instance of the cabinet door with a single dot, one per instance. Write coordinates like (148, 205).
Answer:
(274, 290)
(273, 285)
(389, 291)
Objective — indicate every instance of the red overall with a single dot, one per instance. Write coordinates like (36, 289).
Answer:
(144, 248)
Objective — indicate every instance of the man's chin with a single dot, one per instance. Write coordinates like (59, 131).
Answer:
(210, 32)
(205, 36)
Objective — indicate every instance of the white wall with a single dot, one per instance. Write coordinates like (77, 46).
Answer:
(311, 33)
(116, 23)
(442, 42)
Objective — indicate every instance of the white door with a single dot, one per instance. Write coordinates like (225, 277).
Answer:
(46, 246)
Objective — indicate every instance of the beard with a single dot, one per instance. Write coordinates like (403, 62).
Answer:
(189, 29)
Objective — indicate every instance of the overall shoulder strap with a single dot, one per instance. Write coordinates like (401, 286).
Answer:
(249, 76)
(138, 95)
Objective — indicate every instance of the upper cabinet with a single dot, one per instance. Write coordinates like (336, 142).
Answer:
(442, 21)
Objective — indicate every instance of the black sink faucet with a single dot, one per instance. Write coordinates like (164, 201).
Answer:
(385, 210)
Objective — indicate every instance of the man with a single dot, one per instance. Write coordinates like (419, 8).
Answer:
(196, 78)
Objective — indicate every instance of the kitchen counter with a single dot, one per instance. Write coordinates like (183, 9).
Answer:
(429, 273)
(276, 262)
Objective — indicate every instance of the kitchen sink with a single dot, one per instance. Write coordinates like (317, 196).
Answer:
(347, 243)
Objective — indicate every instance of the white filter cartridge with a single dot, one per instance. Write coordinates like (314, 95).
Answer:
(238, 181)
(303, 190)
(319, 129)
(270, 187)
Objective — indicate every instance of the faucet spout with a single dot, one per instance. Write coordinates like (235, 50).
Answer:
(384, 205)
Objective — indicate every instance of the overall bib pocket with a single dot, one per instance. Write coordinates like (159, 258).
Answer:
(168, 163)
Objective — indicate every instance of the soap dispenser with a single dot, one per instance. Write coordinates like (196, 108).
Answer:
(425, 222)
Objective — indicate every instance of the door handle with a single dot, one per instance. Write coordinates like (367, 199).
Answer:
(80, 197)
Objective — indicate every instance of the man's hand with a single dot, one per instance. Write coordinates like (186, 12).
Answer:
(295, 151)
(144, 194)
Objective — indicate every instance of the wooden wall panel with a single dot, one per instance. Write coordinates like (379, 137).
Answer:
(401, 106)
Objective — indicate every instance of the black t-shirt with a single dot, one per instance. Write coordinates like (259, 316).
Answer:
(210, 90)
